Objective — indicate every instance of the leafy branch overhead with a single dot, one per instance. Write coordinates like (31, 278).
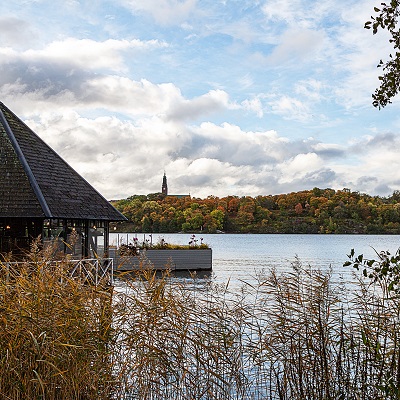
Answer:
(387, 19)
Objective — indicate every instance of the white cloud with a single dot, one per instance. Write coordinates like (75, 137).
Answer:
(285, 10)
(254, 105)
(118, 94)
(326, 148)
(133, 97)
(299, 166)
(239, 98)
(303, 13)
(86, 54)
(289, 107)
(296, 45)
(311, 89)
(118, 157)
(15, 31)
(168, 12)
(241, 30)
(211, 102)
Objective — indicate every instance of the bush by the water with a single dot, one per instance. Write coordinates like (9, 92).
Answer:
(290, 336)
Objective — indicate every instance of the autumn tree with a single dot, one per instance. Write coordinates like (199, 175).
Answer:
(218, 217)
(298, 208)
(308, 211)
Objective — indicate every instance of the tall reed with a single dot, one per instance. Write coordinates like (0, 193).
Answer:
(54, 333)
(291, 335)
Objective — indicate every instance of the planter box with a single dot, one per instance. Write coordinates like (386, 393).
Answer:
(175, 260)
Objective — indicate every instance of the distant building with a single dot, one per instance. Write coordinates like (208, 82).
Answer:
(164, 189)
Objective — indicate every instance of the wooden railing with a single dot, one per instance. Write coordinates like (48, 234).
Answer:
(94, 271)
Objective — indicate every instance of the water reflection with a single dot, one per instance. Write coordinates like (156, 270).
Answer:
(198, 281)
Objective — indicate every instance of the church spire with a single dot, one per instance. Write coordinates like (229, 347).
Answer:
(164, 187)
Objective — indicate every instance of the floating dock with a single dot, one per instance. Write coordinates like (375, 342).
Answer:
(162, 259)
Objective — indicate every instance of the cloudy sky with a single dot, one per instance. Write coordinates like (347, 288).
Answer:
(229, 97)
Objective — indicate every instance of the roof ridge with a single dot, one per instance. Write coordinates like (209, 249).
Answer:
(61, 159)
(25, 165)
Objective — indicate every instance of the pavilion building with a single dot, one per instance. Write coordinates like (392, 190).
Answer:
(41, 195)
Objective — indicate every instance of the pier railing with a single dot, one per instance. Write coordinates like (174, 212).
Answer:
(94, 271)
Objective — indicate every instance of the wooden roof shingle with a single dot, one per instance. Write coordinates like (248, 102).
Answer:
(36, 182)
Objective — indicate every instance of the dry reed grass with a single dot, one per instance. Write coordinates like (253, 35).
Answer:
(290, 336)
(54, 333)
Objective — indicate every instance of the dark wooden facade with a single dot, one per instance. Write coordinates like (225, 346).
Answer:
(40, 194)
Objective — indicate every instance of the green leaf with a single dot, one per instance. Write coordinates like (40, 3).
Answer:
(370, 263)
(364, 338)
(346, 264)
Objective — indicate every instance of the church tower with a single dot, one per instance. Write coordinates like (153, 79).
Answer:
(164, 187)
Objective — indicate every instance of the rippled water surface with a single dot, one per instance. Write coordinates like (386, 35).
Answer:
(238, 257)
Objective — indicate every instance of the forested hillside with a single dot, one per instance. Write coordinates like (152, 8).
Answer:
(308, 211)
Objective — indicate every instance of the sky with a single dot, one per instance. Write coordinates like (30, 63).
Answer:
(227, 97)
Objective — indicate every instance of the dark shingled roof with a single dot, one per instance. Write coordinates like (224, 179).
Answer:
(35, 182)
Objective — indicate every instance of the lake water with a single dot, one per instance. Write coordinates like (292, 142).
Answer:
(239, 257)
